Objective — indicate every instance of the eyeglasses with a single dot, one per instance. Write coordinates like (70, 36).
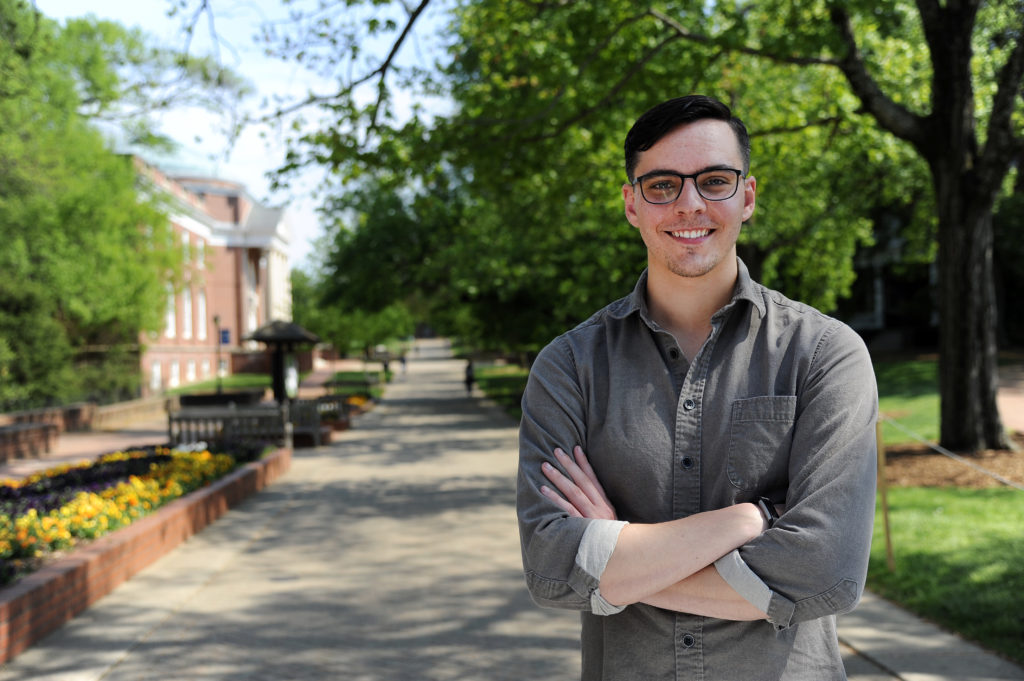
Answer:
(715, 184)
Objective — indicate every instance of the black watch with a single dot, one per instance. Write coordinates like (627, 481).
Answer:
(768, 510)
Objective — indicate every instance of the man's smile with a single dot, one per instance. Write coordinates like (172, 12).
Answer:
(692, 234)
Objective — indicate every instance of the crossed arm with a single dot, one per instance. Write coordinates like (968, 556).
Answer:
(667, 565)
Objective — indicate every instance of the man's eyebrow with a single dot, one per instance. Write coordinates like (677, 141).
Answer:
(672, 171)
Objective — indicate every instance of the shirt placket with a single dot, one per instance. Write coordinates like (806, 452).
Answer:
(686, 490)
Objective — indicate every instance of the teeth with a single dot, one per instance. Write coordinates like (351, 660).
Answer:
(691, 233)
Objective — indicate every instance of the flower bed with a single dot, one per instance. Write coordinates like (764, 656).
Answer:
(67, 584)
(56, 509)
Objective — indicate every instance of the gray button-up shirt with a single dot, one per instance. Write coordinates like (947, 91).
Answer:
(779, 402)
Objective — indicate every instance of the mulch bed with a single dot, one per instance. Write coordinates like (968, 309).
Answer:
(919, 466)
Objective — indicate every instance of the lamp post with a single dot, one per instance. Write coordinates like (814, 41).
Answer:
(216, 324)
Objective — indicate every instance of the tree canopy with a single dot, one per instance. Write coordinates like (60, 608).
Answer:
(86, 256)
(858, 109)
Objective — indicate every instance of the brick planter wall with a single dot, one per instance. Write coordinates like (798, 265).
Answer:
(44, 600)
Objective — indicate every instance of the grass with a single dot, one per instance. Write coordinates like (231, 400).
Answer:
(908, 392)
(503, 383)
(375, 390)
(228, 383)
(959, 562)
(959, 553)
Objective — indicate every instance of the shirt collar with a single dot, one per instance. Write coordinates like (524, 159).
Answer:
(745, 289)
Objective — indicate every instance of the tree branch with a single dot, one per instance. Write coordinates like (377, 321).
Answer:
(891, 116)
(930, 20)
(1001, 145)
(379, 74)
(685, 33)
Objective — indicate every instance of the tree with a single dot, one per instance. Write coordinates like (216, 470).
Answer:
(86, 257)
(541, 87)
(969, 134)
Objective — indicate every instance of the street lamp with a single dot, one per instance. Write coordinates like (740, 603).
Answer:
(216, 324)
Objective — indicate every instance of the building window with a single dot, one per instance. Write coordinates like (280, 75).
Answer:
(201, 315)
(156, 380)
(171, 319)
(206, 368)
(186, 248)
(186, 313)
(175, 379)
(190, 371)
(201, 254)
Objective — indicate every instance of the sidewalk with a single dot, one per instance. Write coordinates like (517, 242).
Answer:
(392, 554)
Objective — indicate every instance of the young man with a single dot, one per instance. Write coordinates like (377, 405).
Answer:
(715, 513)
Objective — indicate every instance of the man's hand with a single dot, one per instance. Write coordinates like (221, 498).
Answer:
(582, 494)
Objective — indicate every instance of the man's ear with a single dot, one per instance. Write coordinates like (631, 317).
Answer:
(629, 202)
(749, 197)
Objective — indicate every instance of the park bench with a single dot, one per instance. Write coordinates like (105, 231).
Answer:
(299, 424)
(26, 440)
(334, 410)
(227, 424)
(308, 424)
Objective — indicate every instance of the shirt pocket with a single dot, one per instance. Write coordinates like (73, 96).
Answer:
(760, 436)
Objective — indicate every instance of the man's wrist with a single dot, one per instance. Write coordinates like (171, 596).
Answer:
(767, 508)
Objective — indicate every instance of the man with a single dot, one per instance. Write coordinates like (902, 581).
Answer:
(715, 513)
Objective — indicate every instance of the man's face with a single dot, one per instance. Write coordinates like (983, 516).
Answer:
(691, 236)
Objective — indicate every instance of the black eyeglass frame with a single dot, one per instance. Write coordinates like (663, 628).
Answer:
(682, 183)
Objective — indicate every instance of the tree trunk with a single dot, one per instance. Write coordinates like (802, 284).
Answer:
(968, 371)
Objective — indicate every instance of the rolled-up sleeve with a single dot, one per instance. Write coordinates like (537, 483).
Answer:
(813, 561)
(563, 557)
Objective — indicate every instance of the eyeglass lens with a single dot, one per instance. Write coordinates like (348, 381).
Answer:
(713, 185)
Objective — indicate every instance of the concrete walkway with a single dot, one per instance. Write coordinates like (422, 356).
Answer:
(391, 554)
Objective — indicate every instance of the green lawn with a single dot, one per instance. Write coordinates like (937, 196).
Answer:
(959, 561)
(959, 553)
(504, 384)
(374, 379)
(908, 392)
(228, 383)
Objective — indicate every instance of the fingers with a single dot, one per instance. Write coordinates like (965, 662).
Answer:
(584, 465)
(581, 473)
(560, 502)
(580, 489)
(569, 488)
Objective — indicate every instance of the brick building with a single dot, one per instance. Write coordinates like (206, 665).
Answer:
(236, 279)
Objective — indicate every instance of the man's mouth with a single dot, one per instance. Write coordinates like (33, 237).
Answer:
(691, 233)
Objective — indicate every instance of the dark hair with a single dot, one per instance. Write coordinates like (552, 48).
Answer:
(667, 116)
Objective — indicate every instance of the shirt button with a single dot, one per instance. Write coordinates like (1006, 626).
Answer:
(673, 353)
(689, 405)
(686, 463)
(688, 641)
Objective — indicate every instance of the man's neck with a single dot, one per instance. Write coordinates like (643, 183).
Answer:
(684, 305)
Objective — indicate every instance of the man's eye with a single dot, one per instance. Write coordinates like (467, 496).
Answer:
(662, 185)
(715, 181)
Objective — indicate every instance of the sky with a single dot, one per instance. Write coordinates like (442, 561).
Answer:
(252, 156)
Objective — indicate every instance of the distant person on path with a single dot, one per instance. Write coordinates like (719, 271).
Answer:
(715, 512)
(470, 377)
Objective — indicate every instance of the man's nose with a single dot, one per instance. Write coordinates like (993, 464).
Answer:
(689, 199)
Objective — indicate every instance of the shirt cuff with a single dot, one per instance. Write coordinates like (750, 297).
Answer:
(596, 547)
(743, 580)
